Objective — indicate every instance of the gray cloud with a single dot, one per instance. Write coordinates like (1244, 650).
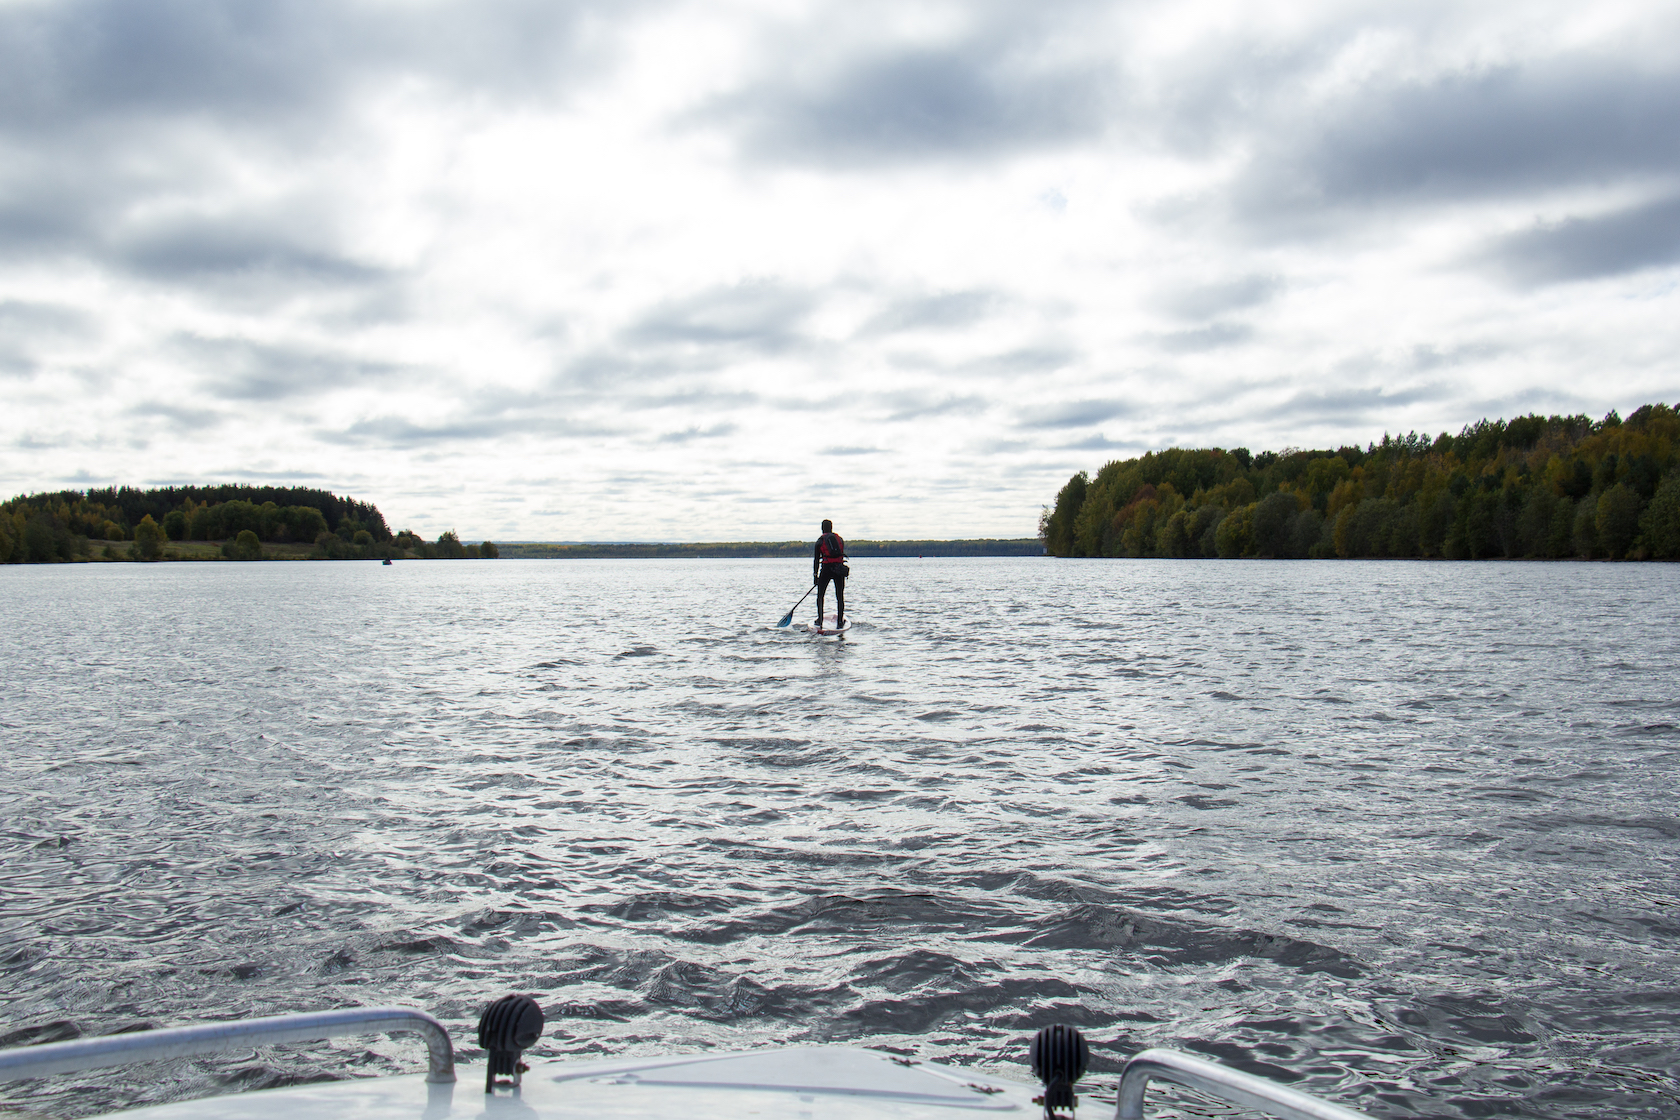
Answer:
(23, 322)
(42, 318)
(45, 207)
(922, 406)
(1426, 357)
(394, 431)
(1071, 414)
(103, 214)
(917, 106)
(1493, 133)
(110, 112)
(764, 316)
(1348, 405)
(217, 250)
(1628, 240)
(997, 88)
(242, 473)
(716, 431)
(242, 370)
(1026, 359)
(697, 399)
(77, 62)
(190, 419)
(945, 311)
(1215, 336)
(1205, 301)
(1102, 443)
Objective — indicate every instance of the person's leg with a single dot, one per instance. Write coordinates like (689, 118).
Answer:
(822, 589)
(839, 601)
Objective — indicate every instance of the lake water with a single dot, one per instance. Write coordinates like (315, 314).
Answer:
(1404, 831)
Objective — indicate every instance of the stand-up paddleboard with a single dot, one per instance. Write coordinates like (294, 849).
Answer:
(827, 629)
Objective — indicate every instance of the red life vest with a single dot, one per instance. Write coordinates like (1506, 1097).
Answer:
(830, 548)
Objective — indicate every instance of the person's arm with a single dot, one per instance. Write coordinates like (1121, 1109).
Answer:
(816, 562)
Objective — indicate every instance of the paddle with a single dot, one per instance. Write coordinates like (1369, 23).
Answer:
(788, 617)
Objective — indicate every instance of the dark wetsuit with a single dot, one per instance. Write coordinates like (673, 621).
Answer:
(826, 566)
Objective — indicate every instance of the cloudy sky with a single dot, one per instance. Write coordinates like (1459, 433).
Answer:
(565, 270)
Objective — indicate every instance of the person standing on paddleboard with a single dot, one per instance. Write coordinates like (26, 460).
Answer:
(829, 564)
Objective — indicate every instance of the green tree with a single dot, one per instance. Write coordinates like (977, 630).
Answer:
(1481, 525)
(273, 523)
(1204, 531)
(449, 545)
(239, 515)
(1273, 519)
(1660, 526)
(1371, 527)
(1058, 531)
(246, 546)
(1585, 535)
(1235, 535)
(1435, 522)
(489, 551)
(1305, 532)
(148, 539)
(1172, 537)
(1341, 531)
(1534, 521)
(1561, 532)
(40, 541)
(305, 523)
(1403, 531)
(207, 523)
(1617, 520)
(175, 525)
(331, 546)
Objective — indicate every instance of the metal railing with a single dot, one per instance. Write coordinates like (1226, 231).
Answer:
(215, 1038)
(1215, 1080)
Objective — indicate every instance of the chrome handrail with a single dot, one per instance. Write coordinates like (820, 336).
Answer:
(214, 1038)
(1219, 1081)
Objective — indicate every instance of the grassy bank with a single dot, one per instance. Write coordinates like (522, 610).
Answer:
(123, 552)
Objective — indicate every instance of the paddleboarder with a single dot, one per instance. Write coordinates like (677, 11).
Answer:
(829, 564)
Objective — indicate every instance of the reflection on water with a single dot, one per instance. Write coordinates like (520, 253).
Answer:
(1402, 833)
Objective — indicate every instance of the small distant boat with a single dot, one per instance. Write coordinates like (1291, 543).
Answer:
(387, 561)
(831, 1081)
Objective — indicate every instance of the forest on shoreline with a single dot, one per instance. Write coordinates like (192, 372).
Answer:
(238, 522)
(1537, 487)
(229, 522)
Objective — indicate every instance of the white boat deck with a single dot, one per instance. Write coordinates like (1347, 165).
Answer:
(800, 1083)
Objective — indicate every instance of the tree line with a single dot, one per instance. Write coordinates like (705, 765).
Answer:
(1544, 487)
(120, 523)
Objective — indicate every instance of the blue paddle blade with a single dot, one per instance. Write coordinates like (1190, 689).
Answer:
(786, 618)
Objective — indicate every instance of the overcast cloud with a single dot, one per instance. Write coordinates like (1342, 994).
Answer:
(544, 270)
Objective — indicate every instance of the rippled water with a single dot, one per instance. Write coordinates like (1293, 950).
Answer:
(1404, 831)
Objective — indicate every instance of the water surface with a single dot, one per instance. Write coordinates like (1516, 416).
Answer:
(1405, 832)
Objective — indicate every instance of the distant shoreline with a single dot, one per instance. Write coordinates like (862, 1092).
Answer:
(802, 550)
